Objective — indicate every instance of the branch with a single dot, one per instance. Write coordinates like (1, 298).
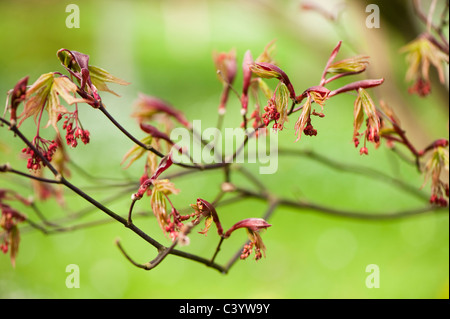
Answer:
(17, 132)
(343, 213)
(151, 148)
(163, 252)
(356, 169)
(7, 168)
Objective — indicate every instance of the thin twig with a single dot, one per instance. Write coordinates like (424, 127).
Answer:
(344, 213)
(356, 169)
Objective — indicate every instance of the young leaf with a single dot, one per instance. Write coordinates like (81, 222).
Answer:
(303, 119)
(355, 64)
(136, 151)
(100, 77)
(282, 103)
(37, 96)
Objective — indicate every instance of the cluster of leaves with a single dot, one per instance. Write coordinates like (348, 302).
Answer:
(421, 53)
(151, 109)
(281, 104)
(45, 95)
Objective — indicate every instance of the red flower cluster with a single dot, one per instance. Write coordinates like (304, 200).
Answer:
(253, 227)
(248, 250)
(439, 200)
(270, 114)
(364, 150)
(45, 147)
(373, 131)
(421, 87)
(10, 217)
(309, 129)
(173, 227)
(74, 133)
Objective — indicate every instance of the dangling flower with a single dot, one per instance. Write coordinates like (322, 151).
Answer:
(318, 95)
(421, 53)
(438, 162)
(271, 113)
(253, 227)
(74, 130)
(365, 105)
(161, 189)
(45, 148)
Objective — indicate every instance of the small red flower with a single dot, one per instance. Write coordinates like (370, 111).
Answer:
(74, 130)
(364, 106)
(271, 113)
(434, 168)
(253, 227)
(421, 87)
(45, 147)
(422, 53)
(364, 151)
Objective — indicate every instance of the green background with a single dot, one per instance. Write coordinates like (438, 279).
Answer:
(164, 48)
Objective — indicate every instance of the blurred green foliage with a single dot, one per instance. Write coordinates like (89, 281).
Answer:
(165, 49)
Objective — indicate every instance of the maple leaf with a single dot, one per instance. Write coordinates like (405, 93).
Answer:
(45, 93)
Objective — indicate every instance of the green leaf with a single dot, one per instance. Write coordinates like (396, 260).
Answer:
(352, 65)
(45, 93)
(282, 103)
(303, 119)
(67, 59)
(100, 77)
(265, 88)
(136, 151)
(358, 115)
